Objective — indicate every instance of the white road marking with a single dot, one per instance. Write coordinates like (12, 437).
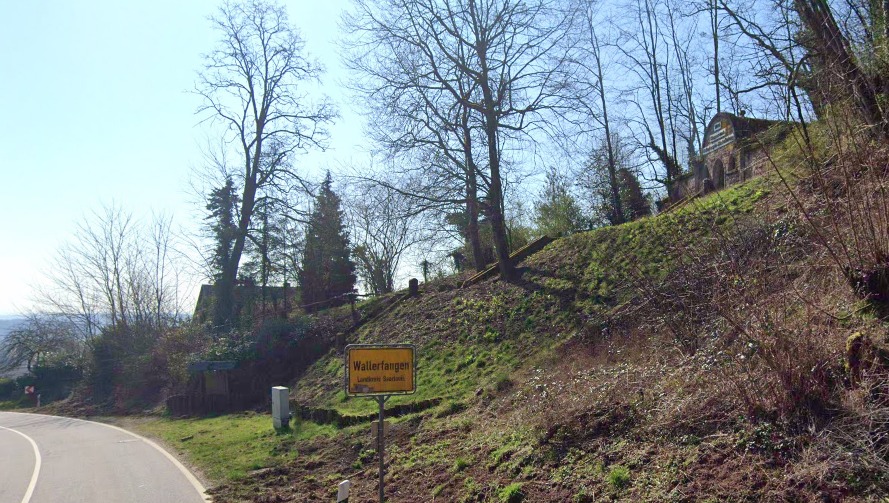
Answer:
(188, 475)
(37, 462)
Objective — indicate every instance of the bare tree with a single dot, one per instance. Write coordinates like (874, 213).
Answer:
(115, 273)
(592, 58)
(253, 84)
(428, 136)
(498, 63)
(833, 50)
(40, 339)
(647, 51)
(384, 227)
(767, 51)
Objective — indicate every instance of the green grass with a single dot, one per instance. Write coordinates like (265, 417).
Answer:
(618, 477)
(511, 493)
(11, 405)
(228, 447)
(481, 340)
(481, 337)
(602, 265)
(461, 464)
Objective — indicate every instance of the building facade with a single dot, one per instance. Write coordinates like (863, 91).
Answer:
(735, 149)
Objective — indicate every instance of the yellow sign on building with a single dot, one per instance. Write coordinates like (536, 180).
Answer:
(377, 369)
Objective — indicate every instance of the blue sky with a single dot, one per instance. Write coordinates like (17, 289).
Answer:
(97, 109)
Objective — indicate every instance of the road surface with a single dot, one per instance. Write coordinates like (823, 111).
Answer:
(49, 459)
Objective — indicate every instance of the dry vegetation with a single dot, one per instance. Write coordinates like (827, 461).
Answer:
(732, 350)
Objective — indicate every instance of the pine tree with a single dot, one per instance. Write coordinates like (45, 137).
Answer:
(556, 212)
(222, 204)
(327, 271)
(636, 205)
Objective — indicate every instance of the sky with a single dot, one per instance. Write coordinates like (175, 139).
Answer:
(97, 109)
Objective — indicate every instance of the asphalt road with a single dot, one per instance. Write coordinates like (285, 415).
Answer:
(49, 459)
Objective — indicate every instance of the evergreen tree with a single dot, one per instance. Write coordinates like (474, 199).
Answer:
(222, 204)
(556, 211)
(327, 271)
(636, 204)
(595, 183)
(267, 262)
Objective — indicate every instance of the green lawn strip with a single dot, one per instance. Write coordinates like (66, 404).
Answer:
(229, 447)
(12, 405)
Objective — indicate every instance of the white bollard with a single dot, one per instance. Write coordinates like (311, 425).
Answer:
(342, 491)
(280, 407)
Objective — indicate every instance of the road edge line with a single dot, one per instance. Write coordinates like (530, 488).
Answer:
(185, 471)
(37, 462)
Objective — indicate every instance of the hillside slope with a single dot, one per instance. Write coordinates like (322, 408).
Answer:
(696, 355)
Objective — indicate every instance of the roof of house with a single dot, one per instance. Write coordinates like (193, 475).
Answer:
(742, 128)
(242, 293)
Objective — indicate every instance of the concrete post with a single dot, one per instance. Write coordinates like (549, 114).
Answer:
(342, 491)
(280, 407)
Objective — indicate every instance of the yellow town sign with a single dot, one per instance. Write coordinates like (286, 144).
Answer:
(380, 369)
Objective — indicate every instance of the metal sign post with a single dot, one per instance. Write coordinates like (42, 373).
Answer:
(380, 371)
(381, 445)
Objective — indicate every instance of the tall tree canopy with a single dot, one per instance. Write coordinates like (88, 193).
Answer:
(490, 70)
(254, 85)
(327, 271)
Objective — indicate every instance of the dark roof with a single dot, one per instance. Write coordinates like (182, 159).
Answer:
(242, 293)
(743, 127)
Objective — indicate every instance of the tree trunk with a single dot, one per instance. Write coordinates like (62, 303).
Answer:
(837, 55)
(616, 204)
(495, 197)
(472, 233)
(469, 168)
(714, 30)
(226, 284)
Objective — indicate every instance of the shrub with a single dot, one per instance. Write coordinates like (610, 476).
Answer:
(7, 389)
(618, 477)
(460, 464)
(512, 493)
(583, 496)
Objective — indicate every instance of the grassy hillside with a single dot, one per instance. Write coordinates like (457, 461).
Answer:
(705, 354)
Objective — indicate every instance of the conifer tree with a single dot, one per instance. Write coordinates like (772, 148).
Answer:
(557, 212)
(327, 271)
(221, 204)
(636, 205)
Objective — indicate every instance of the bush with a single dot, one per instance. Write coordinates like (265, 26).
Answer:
(619, 477)
(8, 389)
(460, 464)
(512, 493)
(133, 366)
(54, 381)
